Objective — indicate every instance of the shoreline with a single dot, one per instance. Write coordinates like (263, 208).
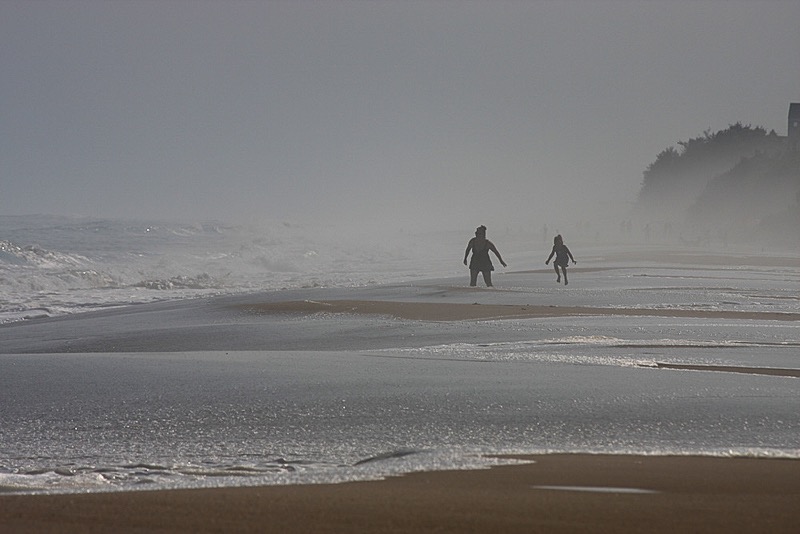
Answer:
(555, 493)
(766, 371)
(436, 311)
(558, 493)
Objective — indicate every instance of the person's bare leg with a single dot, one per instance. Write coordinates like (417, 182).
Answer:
(487, 277)
(564, 270)
(558, 273)
(473, 277)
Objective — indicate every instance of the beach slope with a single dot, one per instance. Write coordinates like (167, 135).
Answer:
(555, 493)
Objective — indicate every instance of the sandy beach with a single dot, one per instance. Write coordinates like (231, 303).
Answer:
(433, 311)
(252, 346)
(555, 494)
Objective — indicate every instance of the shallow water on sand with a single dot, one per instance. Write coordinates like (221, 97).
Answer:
(201, 393)
(124, 421)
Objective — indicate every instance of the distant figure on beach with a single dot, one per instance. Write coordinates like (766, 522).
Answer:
(563, 255)
(480, 262)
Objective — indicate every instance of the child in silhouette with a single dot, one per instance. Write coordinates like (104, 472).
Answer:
(563, 255)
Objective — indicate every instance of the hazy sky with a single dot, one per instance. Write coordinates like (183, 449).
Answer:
(394, 114)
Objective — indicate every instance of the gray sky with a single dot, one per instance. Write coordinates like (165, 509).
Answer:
(395, 114)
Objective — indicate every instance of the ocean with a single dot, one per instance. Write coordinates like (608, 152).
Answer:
(130, 358)
(51, 265)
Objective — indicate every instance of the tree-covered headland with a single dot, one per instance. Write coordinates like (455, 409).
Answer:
(738, 184)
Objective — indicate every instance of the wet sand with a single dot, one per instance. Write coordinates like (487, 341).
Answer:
(767, 371)
(557, 493)
(435, 311)
(432, 311)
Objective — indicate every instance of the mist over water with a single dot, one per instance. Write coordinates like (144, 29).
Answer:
(60, 265)
(400, 117)
(52, 265)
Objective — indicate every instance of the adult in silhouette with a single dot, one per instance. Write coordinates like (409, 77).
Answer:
(480, 261)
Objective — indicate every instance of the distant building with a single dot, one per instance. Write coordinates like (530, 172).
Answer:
(793, 131)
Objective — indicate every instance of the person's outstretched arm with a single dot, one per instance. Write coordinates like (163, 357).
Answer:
(469, 247)
(497, 253)
(550, 257)
(570, 255)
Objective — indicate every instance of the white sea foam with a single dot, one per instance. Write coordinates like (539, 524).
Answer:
(54, 265)
(593, 350)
